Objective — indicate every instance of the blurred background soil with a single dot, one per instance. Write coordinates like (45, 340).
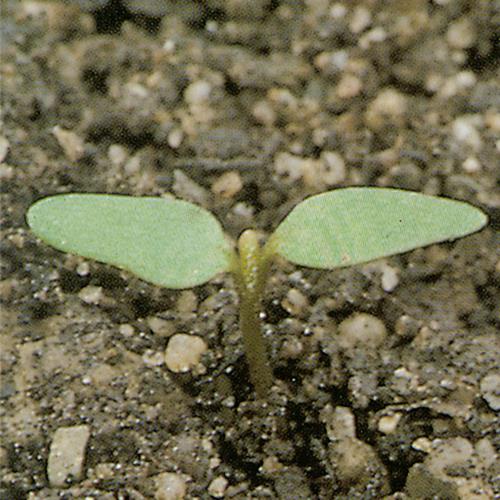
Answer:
(387, 374)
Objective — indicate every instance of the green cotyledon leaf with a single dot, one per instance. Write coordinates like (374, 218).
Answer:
(355, 225)
(168, 242)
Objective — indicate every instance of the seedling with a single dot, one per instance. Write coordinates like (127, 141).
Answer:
(176, 244)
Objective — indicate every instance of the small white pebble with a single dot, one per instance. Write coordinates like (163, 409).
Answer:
(290, 166)
(227, 185)
(175, 138)
(170, 486)
(422, 444)
(184, 352)
(72, 144)
(4, 147)
(461, 34)
(389, 278)
(160, 326)
(490, 390)
(361, 19)
(153, 358)
(361, 329)
(117, 154)
(332, 168)
(471, 165)
(348, 87)
(218, 487)
(295, 302)
(388, 423)
(198, 92)
(6, 173)
(67, 454)
(83, 269)
(264, 113)
(465, 132)
(91, 294)
(339, 422)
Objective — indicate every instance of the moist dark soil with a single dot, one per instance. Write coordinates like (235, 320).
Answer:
(246, 107)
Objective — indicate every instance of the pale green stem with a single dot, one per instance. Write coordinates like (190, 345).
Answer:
(251, 275)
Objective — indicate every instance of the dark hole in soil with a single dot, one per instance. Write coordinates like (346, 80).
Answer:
(231, 87)
(488, 61)
(95, 80)
(71, 282)
(110, 18)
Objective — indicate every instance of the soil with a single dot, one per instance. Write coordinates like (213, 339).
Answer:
(245, 107)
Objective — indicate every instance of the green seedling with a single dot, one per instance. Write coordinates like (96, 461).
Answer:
(176, 244)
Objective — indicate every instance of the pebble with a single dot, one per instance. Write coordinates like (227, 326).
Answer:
(218, 487)
(71, 143)
(461, 34)
(4, 147)
(471, 165)
(295, 302)
(339, 422)
(332, 168)
(91, 295)
(490, 390)
(361, 19)
(227, 185)
(388, 108)
(117, 154)
(464, 131)
(361, 329)
(175, 137)
(170, 486)
(198, 92)
(187, 302)
(388, 423)
(263, 112)
(160, 326)
(348, 87)
(184, 187)
(291, 166)
(356, 463)
(67, 453)
(389, 278)
(184, 352)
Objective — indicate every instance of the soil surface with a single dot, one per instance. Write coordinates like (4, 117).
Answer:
(387, 376)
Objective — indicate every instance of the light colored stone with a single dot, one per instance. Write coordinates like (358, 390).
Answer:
(4, 147)
(295, 302)
(117, 154)
(389, 278)
(160, 326)
(465, 132)
(170, 486)
(71, 143)
(91, 294)
(461, 34)
(361, 19)
(218, 487)
(198, 92)
(361, 329)
(388, 108)
(339, 422)
(227, 185)
(490, 390)
(184, 352)
(66, 455)
(290, 166)
(388, 423)
(332, 168)
(348, 87)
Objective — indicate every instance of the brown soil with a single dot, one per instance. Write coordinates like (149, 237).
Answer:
(153, 97)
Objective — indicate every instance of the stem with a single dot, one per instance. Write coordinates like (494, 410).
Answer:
(251, 274)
